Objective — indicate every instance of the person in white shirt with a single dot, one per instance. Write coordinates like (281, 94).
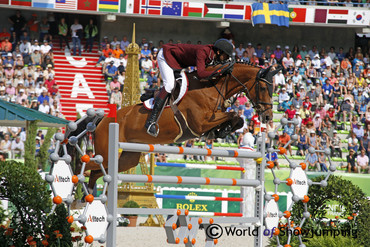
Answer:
(239, 51)
(146, 66)
(316, 63)
(279, 80)
(17, 147)
(124, 43)
(45, 48)
(44, 107)
(35, 46)
(76, 29)
(283, 96)
(115, 42)
(332, 53)
(25, 48)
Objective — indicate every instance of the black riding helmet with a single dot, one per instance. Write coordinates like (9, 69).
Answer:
(225, 46)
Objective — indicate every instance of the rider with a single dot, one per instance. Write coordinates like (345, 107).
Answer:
(175, 57)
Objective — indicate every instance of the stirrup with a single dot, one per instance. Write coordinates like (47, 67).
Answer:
(149, 127)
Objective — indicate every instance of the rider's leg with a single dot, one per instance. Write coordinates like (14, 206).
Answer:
(160, 100)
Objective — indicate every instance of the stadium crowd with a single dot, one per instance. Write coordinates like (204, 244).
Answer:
(326, 90)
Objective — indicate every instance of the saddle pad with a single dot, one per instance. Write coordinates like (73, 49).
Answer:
(149, 104)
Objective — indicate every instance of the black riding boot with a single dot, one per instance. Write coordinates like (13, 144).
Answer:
(151, 122)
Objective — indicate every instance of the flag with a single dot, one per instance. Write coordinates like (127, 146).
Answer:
(193, 9)
(339, 16)
(213, 10)
(66, 4)
(264, 13)
(21, 2)
(310, 15)
(358, 17)
(320, 15)
(151, 7)
(108, 5)
(234, 11)
(43, 4)
(248, 12)
(297, 15)
(4, 1)
(87, 5)
(171, 8)
(112, 111)
(130, 6)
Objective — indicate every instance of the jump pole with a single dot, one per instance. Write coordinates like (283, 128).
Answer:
(113, 186)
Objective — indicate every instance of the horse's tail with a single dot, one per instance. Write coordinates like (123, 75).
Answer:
(72, 151)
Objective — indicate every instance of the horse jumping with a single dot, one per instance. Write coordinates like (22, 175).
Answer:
(202, 108)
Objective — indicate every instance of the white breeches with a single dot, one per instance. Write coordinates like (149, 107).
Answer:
(167, 73)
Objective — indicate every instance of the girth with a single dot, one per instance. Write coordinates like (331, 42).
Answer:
(185, 132)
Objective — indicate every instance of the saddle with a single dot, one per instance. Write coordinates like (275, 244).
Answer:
(178, 93)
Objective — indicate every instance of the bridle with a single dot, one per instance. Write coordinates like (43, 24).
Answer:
(258, 104)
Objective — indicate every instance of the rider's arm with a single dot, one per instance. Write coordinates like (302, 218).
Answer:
(201, 64)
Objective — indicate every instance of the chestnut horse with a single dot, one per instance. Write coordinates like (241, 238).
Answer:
(202, 106)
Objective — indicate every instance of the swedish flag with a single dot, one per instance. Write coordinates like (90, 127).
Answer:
(264, 13)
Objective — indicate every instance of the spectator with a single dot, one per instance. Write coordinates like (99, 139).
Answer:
(6, 144)
(351, 162)
(43, 97)
(115, 42)
(116, 97)
(283, 140)
(76, 30)
(62, 32)
(105, 53)
(279, 80)
(322, 162)
(313, 161)
(290, 113)
(44, 107)
(302, 142)
(45, 49)
(91, 31)
(353, 142)
(17, 148)
(346, 109)
(110, 71)
(274, 158)
(240, 51)
(289, 129)
(146, 67)
(363, 162)
(36, 57)
(124, 43)
(118, 52)
(335, 145)
(19, 23)
(323, 141)
(44, 29)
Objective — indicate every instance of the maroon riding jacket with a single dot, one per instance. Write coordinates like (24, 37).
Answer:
(179, 56)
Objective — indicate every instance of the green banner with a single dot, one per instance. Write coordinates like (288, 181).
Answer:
(194, 205)
(334, 209)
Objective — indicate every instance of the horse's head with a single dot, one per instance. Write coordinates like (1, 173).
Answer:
(263, 92)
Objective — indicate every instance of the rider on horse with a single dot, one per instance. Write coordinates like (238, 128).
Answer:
(175, 57)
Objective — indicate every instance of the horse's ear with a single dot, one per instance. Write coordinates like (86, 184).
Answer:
(276, 70)
(264, 72)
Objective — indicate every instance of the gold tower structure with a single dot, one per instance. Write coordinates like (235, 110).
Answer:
(143, 195)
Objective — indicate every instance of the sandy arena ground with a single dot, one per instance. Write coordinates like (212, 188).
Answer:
(156, 237)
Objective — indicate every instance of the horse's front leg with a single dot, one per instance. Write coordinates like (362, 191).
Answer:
(229, 126)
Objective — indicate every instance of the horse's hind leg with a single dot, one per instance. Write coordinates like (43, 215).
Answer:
(94, 176)
(128, 160)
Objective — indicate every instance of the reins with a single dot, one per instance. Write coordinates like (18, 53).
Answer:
(256, 105)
